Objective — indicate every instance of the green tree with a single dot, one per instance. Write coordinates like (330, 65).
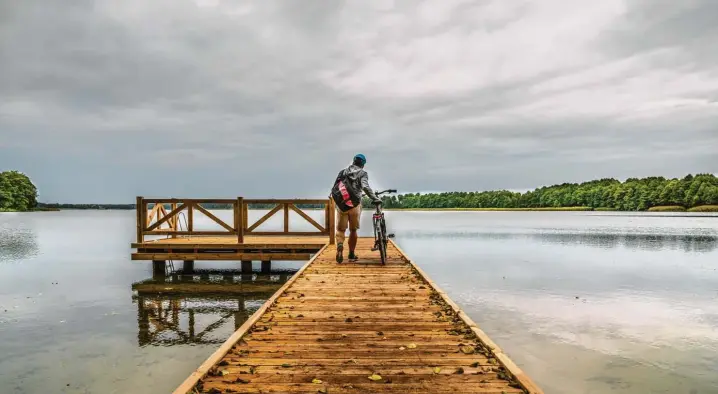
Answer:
(17, 192)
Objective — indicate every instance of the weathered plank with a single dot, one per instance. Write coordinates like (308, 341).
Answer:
(359, 327)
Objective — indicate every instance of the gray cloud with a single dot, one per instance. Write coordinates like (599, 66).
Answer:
(103, 100)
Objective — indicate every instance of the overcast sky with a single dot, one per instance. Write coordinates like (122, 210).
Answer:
(103, 100)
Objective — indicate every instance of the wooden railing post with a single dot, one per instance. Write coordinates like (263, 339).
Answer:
(245, 215)
(190, 216)
(326, 217)
(286, 217)
(332, 223)
(239, 219)
(175, 220)
(139, 206)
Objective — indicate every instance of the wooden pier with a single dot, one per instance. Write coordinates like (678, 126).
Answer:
(359, 327)
(355, 327)
(167, 231)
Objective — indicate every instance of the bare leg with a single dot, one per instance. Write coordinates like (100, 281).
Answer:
(352, 241)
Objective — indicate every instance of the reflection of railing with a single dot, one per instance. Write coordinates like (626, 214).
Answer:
(168, 312)
(151, 221)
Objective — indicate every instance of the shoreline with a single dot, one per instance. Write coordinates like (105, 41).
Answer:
(698, 209)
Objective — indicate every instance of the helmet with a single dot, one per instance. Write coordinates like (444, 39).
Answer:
(360, 159)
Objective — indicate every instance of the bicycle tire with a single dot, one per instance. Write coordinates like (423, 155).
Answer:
(382, 242)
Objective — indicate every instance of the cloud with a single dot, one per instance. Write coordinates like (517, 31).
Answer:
(222, 97)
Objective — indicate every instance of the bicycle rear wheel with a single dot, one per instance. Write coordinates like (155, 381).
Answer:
(382, 242)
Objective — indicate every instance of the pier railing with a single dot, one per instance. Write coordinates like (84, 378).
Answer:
(161, 216)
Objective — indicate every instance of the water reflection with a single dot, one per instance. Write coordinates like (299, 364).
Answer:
(651, 242)
(17, 244)
(190, 308)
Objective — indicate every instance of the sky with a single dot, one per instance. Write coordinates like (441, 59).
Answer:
(105, 100)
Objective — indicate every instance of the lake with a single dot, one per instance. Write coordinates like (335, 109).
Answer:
(584, 302)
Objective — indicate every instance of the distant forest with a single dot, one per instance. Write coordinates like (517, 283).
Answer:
(634, 194)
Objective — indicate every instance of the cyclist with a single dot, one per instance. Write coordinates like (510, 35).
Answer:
(347, 193)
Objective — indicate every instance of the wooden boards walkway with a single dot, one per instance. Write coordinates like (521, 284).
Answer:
(359, 327)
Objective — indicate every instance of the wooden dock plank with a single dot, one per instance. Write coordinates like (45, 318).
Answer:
(359, 327)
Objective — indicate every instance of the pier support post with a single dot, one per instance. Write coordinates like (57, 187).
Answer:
(158, 268)
(266, 266)
(246, 266)
(188, 266)
(240, 316)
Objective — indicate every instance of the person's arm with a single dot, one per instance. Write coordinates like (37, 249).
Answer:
(367, 189)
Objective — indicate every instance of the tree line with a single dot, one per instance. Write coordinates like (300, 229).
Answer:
(634, 194)
(17, 192)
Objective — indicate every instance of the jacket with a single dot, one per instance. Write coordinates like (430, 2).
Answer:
(359, 179)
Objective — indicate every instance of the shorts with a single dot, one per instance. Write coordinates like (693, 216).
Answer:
(346, 219)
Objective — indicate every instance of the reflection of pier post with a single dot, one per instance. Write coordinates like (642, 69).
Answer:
(246, 266)
(191, 324)
(240, 316)
(143, 322)
(175, 304)
(188, 266)
(266, 266)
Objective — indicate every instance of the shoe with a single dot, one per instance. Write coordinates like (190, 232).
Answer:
(340, 253)
(353, 257)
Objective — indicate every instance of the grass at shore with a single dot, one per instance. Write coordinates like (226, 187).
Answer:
(667, 208)
(704, 208)
(493, 209)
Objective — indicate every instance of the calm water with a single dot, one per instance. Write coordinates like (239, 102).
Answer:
(583, 302)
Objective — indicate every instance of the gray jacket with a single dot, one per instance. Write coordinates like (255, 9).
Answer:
(359, 180)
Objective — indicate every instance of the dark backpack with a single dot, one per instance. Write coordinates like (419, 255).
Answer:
(344, 194)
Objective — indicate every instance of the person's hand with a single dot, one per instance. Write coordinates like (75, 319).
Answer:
(376, 202)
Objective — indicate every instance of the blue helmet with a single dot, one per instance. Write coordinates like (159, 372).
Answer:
(360, 159)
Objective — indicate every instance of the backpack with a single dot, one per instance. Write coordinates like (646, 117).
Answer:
(344, 194)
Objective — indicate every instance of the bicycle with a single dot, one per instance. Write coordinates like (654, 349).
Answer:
(380, 235)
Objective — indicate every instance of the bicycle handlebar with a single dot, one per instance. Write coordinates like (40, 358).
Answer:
(385, 192)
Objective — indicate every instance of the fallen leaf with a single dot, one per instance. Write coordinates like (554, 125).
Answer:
(316, 381)
(402, 348)
(437, 370)
(467, 349)
(411, 346)
(286, 365)
(375, 377)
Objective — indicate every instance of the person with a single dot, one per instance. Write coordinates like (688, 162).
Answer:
(347, 193)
